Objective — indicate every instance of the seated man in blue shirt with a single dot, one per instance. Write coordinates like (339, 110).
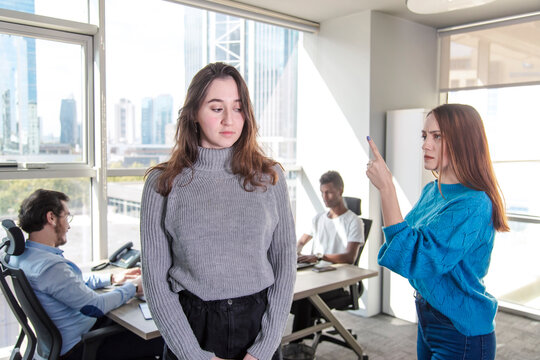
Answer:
(65, 293)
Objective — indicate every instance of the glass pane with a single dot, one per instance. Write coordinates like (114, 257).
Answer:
(502, 55)
(522, 195)
(42, 102)
(123, 211)
(75, 10)
(142, 114)
(514, 274)
(511, 119)
(79, 245)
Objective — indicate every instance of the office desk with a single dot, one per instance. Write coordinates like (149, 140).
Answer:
(309, 284)
(130, 316)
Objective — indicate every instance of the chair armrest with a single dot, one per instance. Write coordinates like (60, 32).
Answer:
(93, 339)
(101, 332)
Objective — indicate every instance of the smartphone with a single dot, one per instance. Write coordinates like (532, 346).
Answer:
(145, 311)
(323, 268)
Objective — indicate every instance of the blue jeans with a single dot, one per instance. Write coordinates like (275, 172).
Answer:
(438, 339)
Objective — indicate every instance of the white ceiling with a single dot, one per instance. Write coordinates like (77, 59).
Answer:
(321, 10)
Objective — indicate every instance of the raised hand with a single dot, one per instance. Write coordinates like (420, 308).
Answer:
(377, 171)
(381, 177)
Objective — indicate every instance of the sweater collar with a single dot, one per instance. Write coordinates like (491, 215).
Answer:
(214, 159)
(450, 188)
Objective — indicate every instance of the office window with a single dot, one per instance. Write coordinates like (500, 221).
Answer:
(42, 101)
(75, 10)
(51, 122)
(147, 82)
(498, 67)
(491, 56)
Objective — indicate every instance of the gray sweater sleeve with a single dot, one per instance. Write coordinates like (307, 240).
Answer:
(156, 261)
(282, 256)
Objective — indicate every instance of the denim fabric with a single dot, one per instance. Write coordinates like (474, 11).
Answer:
(225, 327)
(438, 339)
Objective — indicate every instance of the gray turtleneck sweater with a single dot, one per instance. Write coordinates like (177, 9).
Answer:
(226, 243)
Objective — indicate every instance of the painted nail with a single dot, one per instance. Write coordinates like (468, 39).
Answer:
(368, 138)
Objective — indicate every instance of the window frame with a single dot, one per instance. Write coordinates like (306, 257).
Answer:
(92, 120)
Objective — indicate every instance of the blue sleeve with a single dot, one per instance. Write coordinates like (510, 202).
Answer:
(437, 246)
(97, 281)
(60, 282)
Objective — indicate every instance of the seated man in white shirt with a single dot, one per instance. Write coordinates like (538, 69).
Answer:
(65, 293)
(337, 236)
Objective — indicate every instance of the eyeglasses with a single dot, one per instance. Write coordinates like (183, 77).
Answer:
(69, 218)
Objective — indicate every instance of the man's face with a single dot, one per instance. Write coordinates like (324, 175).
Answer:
(331, 195)
(62, 226)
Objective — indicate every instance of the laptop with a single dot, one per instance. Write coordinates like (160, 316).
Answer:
(302, 265)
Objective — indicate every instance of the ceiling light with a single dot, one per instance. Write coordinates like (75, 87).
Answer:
(439, 6)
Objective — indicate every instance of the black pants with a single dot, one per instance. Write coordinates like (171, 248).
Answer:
(227, 327)
(305, 313)
(123, 346)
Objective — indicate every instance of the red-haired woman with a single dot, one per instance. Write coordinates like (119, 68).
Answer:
(217, 232)
(444, 244)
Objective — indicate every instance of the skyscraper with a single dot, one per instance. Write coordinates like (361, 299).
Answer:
(156, 114)
(68, 122)
(124, 123)
(147, 109)
(19, 133)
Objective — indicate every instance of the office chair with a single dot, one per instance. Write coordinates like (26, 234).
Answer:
(353, 204)
(44, 338)
(349, 299)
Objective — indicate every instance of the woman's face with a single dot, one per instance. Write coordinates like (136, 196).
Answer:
(434, 157)
(220, 116)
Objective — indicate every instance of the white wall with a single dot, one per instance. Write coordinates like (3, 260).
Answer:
(351, 72)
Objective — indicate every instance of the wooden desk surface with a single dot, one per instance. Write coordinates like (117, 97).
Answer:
(308, 283)
(130, 316)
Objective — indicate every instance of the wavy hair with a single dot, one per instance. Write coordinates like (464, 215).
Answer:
(248, 159)
(466, 145)
(34, 209)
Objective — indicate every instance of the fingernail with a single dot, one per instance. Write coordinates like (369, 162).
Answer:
(368, 138)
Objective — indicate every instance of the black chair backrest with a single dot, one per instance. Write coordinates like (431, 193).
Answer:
(353, 204)
(367, 228)
(49, 340)
(14, 242)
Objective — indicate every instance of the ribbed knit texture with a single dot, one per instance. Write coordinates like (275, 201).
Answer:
(444, 247)
(227, 243)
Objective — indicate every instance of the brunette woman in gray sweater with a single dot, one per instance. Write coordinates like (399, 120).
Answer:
(217, 232)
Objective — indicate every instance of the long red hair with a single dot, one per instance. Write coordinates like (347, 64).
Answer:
(248, 159)
(466, 145)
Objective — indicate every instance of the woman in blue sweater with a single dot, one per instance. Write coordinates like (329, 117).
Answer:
(444, 244)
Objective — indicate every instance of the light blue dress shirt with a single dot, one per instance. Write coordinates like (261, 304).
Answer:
(65, 294)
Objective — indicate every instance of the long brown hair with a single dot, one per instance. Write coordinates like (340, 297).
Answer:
(248, 159)
(466, 145)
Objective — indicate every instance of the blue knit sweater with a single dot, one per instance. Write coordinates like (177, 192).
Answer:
(443, 247)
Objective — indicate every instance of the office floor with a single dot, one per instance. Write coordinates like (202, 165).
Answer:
(386, 338)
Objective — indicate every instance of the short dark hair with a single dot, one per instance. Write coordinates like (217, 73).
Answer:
(34, 209)
(332, 177)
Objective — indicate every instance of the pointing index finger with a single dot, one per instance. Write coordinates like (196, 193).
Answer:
(374, 148)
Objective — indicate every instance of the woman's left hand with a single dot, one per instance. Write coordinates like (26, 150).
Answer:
(249, 357)
(377, 171)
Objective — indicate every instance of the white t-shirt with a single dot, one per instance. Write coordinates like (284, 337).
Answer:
(331, 236)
